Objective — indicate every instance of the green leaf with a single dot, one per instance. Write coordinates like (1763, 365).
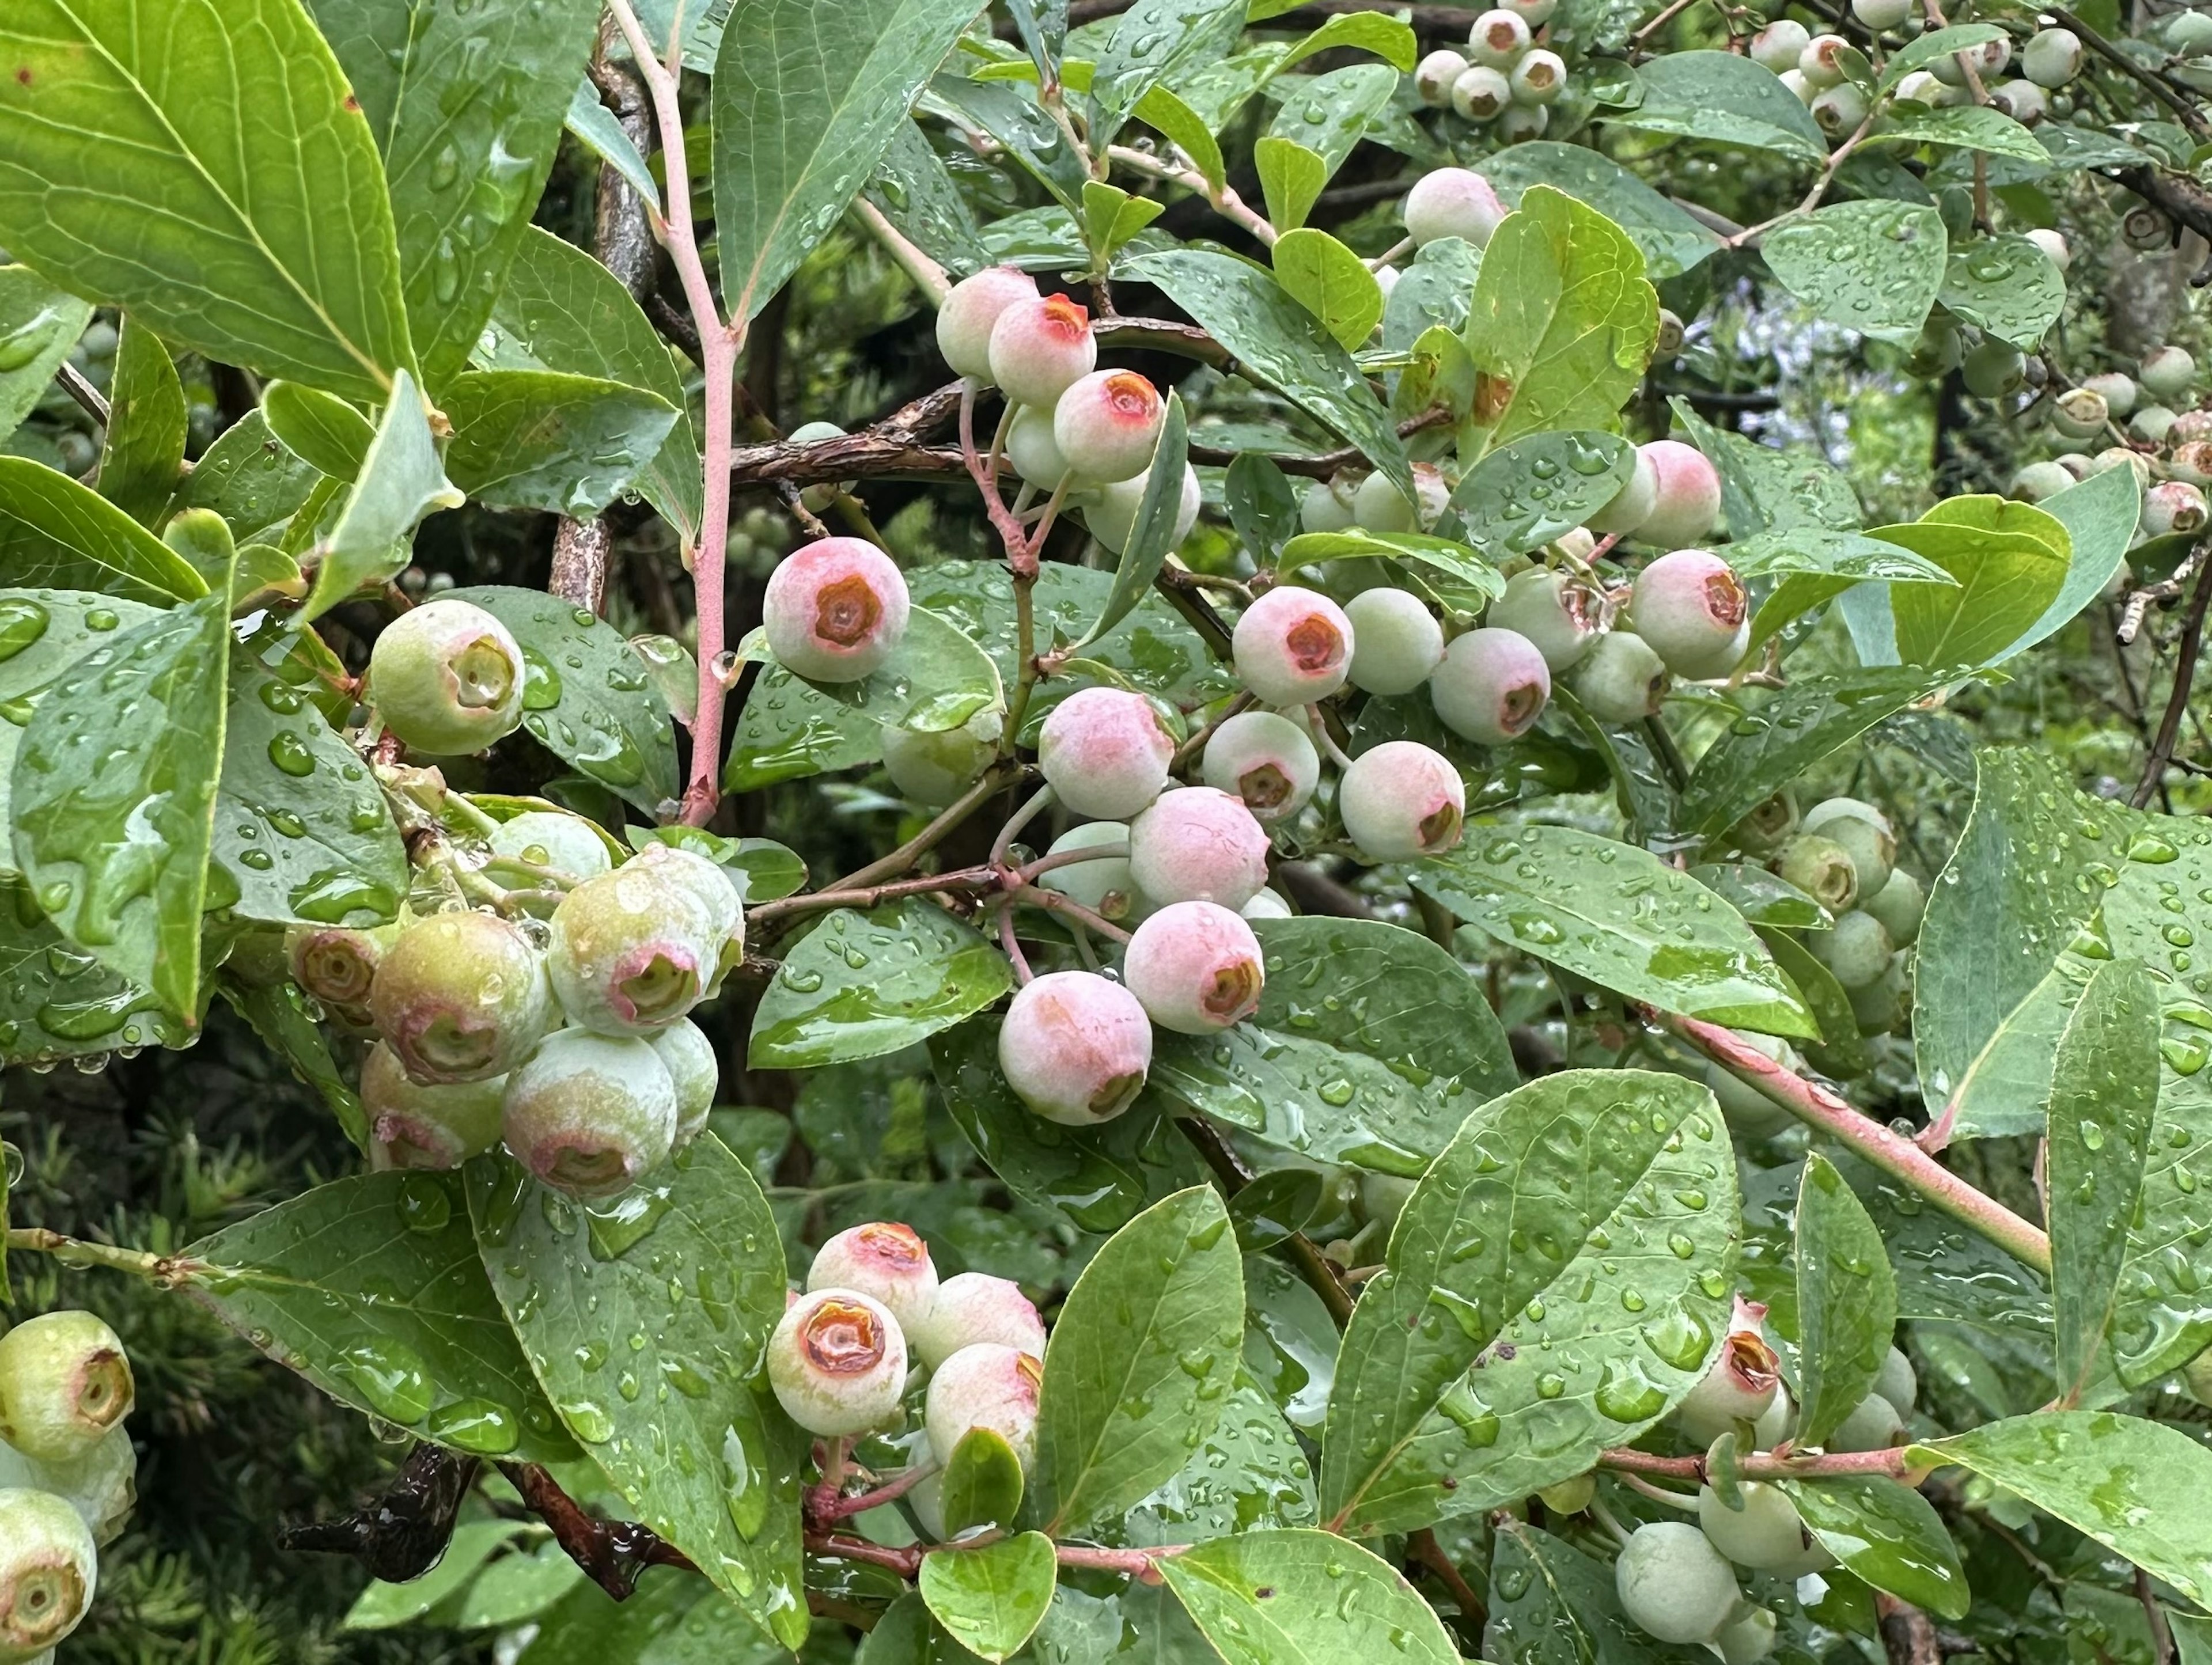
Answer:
(562, 310)
(1550, 1604)
(990, 1600)
(1330, 281)
(1369, 1046)
(542, 440)
(1846, 1302)
(1671, 241)
(762, 869)
(1563, 321)
(1886, 1534)
(1276, 341)
(57, 1001)
(2099, 515)
(1840, 1051)
(370, 1287)
(598, 131)
(588, 699)
(289, 1023)
(1249, 1474)
(518, 1585)
(807, 97)
(39, 325)
(2104, 1092)
(1520, 1251)
(1870, 265)
(1142, 1354)
(214, 176)
(401, 481)
(319, 428)
(1535, 490)
(467, 107)
(1111, 216)
(112, 795)
(1935, 43)
(2006, 286)
(2134, 1486)
(982, 1483)
(1304, 1597)
(2006, 1091)
(56, 533)
(1330, 113)
(1151, 41)
(143, 452)
(382, 1606)
(1424, 315)
(252, 479)
(1290, 178)
(1031, 138)
(1619, 917)
(1814, 718)
(1768, 488)
(675, 1283)
(1389, 38)
(1723, 98)
(861, 985)
(1162, 111)
(1151, 536)
(1966, 126)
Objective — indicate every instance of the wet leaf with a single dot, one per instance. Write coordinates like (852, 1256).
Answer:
(2009, 567)
(2006, 286)
(56, 532)
(1330, 281)
(402, 480)
(1968, 127)
(142, 453)
(1918, 54)
(2099, 515)
(861, 985)
(1671, 241)
(518, 1585)
(43, 633)
(982, 1483)
(39, 325)
(915, 192)
(1526, 493)
(1328, 114)
(1723, 98)
(1870, 265)
(1886, 1534)
(990, 1600)
(1846, 1303)
(1550, 1604)
(289, 1025)
(1767, 487)
(1249, 1474)
(317, 427)
(1434, 291)
(1270, 1598)
(1290, 178)
(542, 440)
(252, 479)
(1150, 42)
(57, 1001)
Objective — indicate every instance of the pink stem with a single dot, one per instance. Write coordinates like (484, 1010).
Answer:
(1766, 1465)
(890, 1491)
(1142, 1564)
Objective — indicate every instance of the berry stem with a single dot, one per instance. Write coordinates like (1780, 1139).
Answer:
(890, 1491)
(995, 780)
(866, 897)
(1896, 1155)
(1893, 1460)
(1037, 804)
(1012, 946)
(1053, 902)
(1044, 864)
(1226, 201)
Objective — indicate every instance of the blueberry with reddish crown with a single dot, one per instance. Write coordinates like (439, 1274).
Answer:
(1620, 679)
(838, 1363)
(1292, 646)
(632, 952)
(48, 1569)
(709, 884)
(835, 610)
(1561, 613)
(1396, 641)
(1689, 500)
(1539, 78)
(1042, 348)
(1075, 1047)
(887, 1261)
(1491, 687)
(1627, 509)
(965, 320)
(1453, 201)
(64, 1381)
(1739, 1387)
(446, 678)
(1434, 75)
(1105, 752)
(461, 996)
(1401, 799)
(973, 1308)
(1194, 967)
(985, 1386)
(1779, 44)
(1692, 612)
(1107, 425)
(426, 1127)
(591, 1114)
(1377, 505)
(1480, 93)
(1267, 760)
(1198, 844)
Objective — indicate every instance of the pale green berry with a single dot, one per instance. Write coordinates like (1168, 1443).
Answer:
(446, 678)
(965, 319)
(1764, 828)
(933, 769)
(694, 1072)
(1478, 93)
(1898, 905)
(1326, 506)
(1400, 800)
(1865, 834)
(1396, 642)
(711, 886)
(2151, 424)
(1434, 75)
(1821, 868)
(972, 1308)
(1780, 44)
(461, 996)
(887, 1261)
(985, 1385)
(1856, 953)
(1621, 680)
(1110, 511)
(1993, 369)
(1570, 1497)
(1838, 111)
(1873, 1426)
(48, 1571)
(1031, 450)
(837, 1362)
(101, 1485)
(1741, 1386)
(2119, 391)
(2036, 481)
(2166, 372)
(551, 838)
(1561, 613)
(1491, 687)
(1454, 201)
(1539, 78)
(427, 1127)
(336, 963)
(591, 1114)
(1765, 1532)
(1267, 760)
(1270, 903)
(1672, 1584)
(1102, 884)
(1748, 1637)
(632, 951)
(1895, 1381)
(64, 1381)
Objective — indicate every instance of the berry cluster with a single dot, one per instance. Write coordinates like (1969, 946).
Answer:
(1502, 77)
(67, 1474)
(2170, 450)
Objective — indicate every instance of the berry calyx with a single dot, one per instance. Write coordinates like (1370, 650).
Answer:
(1198, 844)
(973, 1308)
(1396, 641)
(1740, 1386)
(1042, 348)
(1821, 868)
(838, 1363)
(965, 322)
(1292, 646)
(835, 610)
(461, 996)
(882, 1260)
(1491, 687)
(1267, 760)
(1107, 425)
(1194, 967)
(1105, 752)
(985, 1386)
(1562, 614)
(1075, 1047)
(48, 1569)
(591, 1114)
(1401, 799)
(427, 1127)
(1692, 612)
(446, 678)
(632, 952)
(64, 1381)
(336, 963)
(1865, 834)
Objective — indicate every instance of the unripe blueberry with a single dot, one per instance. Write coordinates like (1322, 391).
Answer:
(1895, 1381)
(1270, 903)
(48, 1569)
(1691, 610)
(1634, 503)
(1075, 1047)
(1741, 1386)
(1856, 953)
(1292, 646)
(550, 838)
(1102, 883)
(1198, 844)
(1689, 499)
(1517, 123)
(1401, 799)
(973, 1308)
(1988, 60)
(2190, 426)
(1491, 687)
(886, 1262)
(1922, 87)
(1327, 505)
(1534, 13)
(1768, 823)
(1672, 330)
(446, 678)
(1557, 610)
(64, 1381)
(1194, 967)
(2166, 371)
(1880, 15)
(1800, 89)
(1621, 680)
(591, 1114)
(2191, 462)
(1672, 1583)
(1748, 1637)
(933, 769)
(2052, 243)
(101, 1485)
(837, 1362)
(1379, 506)
(1395, 640)
(1499, 38)
(2189, 34)
(1042, 348)
(965, 320)
(1882, 1005)
(693, 1070)
(1105, 752)
(1434, 75)
(336, 963)
(2173, 506)
(1480, 93)
(427, 1127)
(2023, 100)
(1819, 63)
(1821, 868)
(2153, 424)
(2118, 456)
(1032, 451)
(1865, 834)
(1898, 905)
(835, 610)
(1767, 1533)
(985, 1386)
(1780, 45)
(2039, 481)
(1993, 369)
(1454, 201)
(819, 497)
(1267, 760)
(1110, 512)
(2051, 58)
(632, 952)
(712, 889)
(1539, 78)
(1748, 1111)
(1873, 1426)
(461, 997)
(2076, 464)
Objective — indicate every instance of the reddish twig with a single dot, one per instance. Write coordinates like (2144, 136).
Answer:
(613, 1553)
(2185, 674)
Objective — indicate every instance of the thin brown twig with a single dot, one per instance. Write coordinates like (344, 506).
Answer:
(1423, 1547)
(1315, 1268)
(2184, 676)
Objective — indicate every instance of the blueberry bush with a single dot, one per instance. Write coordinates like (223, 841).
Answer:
(1185, 830)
